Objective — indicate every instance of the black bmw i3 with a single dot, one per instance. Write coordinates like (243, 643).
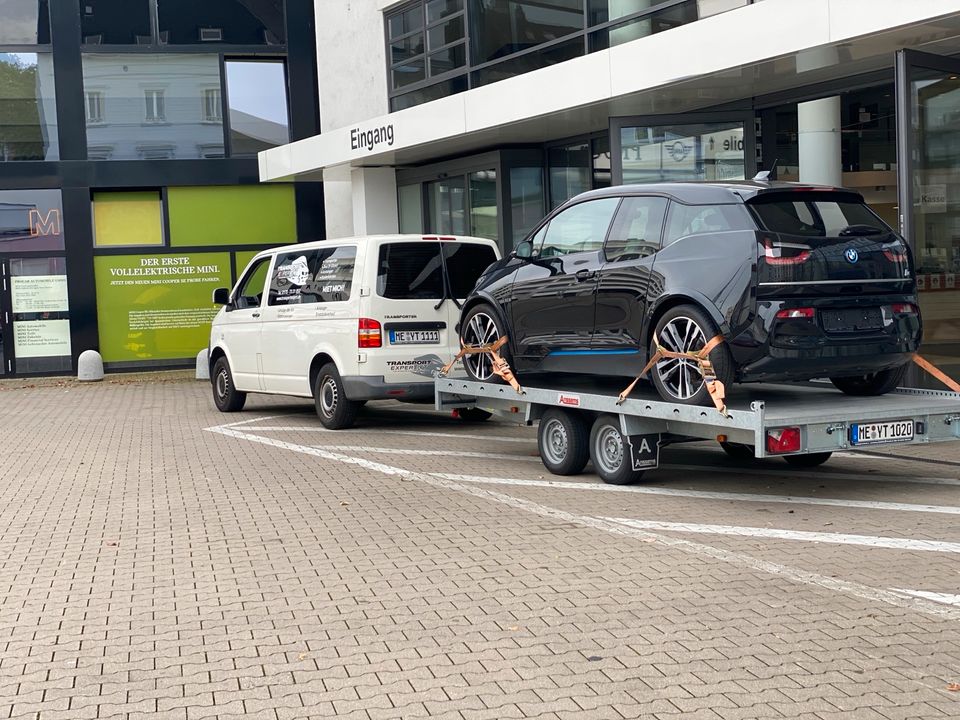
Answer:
(801, 282)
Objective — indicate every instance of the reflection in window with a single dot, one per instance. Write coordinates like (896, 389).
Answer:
(28, 113)
(212, 108)
(437, 28)
(24, 22)
(257, 96)
(526, 200)
(639, 27)
(502, 27)
(552, 55)
(445, 206)
(150, 105)
(30, 221)
(233, 22)
(707, 151)
(483, 204)
(93, 106)
(411, 215)
(115, 22)
(569, 171)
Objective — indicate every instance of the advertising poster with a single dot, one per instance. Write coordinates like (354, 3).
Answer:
(157, 307)
(41, 338)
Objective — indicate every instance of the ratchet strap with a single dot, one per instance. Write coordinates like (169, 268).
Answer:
(715, 387)
(501, 367)
(937, 373)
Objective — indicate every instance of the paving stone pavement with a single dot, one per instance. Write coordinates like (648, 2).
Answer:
(150, 568)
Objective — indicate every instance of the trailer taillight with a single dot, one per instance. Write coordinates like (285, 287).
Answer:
(783, 440)
(369, 334)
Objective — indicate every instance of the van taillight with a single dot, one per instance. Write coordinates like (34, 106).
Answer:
(780, 253)
(369, 334)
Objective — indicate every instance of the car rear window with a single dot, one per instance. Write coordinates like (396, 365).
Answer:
(410, 271)
(814, 217)
(465, 263)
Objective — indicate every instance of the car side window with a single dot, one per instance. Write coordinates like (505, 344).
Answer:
(580, 228)
(314, 276)
(686, 220)
(637, 228)
(250, 289)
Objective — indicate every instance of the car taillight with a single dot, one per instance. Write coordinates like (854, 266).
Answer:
(796, 314)
(779, 253)
(895, 253)
(783, 440)
(368, 334)
(904, 309)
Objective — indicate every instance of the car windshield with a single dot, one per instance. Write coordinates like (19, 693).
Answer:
(815, 217)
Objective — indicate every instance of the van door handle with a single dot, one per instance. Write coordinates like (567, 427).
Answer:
(584, 275)
(256, 314)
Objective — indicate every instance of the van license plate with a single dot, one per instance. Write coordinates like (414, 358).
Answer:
(414, 337)
(883, 432)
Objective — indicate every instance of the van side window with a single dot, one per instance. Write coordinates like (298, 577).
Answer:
(250, 289)
(313, 276)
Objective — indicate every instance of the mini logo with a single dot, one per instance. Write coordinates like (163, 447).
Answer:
(851, 255)
(678, 151)
(570, 400)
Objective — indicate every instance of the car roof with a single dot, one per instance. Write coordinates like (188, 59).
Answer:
(379, 239)
(711, 192)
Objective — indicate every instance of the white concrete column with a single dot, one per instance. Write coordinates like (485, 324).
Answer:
(375, 201)
(818, 122)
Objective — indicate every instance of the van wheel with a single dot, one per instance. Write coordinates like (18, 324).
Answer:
(878, 383)
(610, 452)
(480, 326)
(563, 439)
(225, 394)
(333, 408)
(687, 328)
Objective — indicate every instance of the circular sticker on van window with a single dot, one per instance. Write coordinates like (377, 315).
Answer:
(298, 271)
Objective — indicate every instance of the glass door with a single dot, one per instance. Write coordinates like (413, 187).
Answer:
(6, 339)
(928, 150)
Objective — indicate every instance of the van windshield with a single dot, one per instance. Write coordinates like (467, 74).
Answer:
(414, 270)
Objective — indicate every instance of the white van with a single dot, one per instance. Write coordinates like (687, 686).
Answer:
(344, 321)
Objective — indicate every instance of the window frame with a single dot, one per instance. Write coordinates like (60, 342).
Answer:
(247, 275)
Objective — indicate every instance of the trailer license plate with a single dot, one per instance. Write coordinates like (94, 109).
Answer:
(881, 432)
(414, 337)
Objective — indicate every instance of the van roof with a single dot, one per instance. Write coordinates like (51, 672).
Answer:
(379, 239)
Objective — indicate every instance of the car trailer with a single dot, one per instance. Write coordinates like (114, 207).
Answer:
(803, 424)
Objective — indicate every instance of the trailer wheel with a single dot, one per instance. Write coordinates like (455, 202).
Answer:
(563, 441)
(610, 453)
(738, 451)
(808, 461)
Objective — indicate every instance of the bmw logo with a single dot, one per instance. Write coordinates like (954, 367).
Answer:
(851, 255)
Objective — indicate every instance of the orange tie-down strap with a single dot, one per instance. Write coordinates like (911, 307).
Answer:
(501, 367)
(718, 393)
(937, 373)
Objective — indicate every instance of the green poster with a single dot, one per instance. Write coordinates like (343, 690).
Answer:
(157, 307)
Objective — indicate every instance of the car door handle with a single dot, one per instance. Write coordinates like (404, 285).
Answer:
(584, 275)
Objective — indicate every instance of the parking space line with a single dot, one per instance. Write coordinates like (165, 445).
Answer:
(800, 535)
(738, 559)
(944, 598)
(381, 431)
(707, 494)
(441, 453)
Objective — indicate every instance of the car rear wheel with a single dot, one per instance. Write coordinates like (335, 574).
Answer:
(479, 327)
(335, 411)
(225, 394)
(686, 328)
(878, 383)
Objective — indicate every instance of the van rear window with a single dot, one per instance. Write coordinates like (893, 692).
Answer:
(465, 263)
(414, 271)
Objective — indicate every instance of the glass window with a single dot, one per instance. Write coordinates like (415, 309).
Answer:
(704, 151)
(483, 204)
(406, 21)
(115, 22)
(465, 263)
(25, 22)
(150, 106)
(411, 217)
(814, 218)
(30, 221)
(127, 218)
(406, 48)
(581, 228)
(569, 172)
(408, 73)
(499, 28)
(445, 33)
(449, 59)
(40, 314)
(249, 292)
(526, 200)
(445, 206)
(649, 24)
(410, 271)
(257, 95)
(438, 9)
(212, 107)
(28, 112)
(602, 177)
(232, 22)
(432, 92)
(526, 63)
(316, 276)
(686, 220)
(636, 231)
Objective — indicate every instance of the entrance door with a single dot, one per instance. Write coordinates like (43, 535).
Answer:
(6, 327)
(928, 149)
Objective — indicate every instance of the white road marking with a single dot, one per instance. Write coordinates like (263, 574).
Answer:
(801, 535)
(444, 453)
(803, 577)
(381, 431)
(707, 494)
(944, 598)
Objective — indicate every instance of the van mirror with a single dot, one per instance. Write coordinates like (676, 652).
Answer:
(524, 250)
(221, 296)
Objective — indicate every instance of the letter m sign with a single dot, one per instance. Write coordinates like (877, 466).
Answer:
(48, 224)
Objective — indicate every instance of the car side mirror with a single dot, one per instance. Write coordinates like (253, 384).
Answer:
(523, 250)
(221, 296)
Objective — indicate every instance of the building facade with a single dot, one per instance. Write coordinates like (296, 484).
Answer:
(479, 116)
(129, 187)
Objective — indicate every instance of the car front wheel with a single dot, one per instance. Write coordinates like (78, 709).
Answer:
(878, 383)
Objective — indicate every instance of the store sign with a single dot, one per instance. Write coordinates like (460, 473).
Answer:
(44, 224)
(371, 138)
(157, 307)
(39, 293)
(41, 338)
(933, 198)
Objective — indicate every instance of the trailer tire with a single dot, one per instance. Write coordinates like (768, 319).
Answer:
(608, 451)
(563, 440)
(808, 461)
(473, 415)
(738, 451)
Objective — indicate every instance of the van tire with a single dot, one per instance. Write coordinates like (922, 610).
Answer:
(225, 394)
(335, 411)
(878, 383)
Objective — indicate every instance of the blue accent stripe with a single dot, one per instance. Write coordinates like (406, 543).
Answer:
(594, 352)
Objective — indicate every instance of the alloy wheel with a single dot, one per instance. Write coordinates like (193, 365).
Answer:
(481, 330)
(681, 376)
